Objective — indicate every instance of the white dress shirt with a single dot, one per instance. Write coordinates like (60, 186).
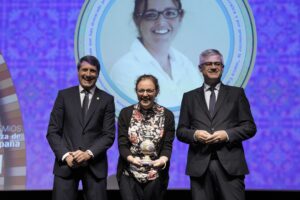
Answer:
(207, 93)
(82, 94)
(139, 61)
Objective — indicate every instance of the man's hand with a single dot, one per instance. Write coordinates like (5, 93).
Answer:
(80, 156)
(217, 137)
(201, 135)
(69, 160)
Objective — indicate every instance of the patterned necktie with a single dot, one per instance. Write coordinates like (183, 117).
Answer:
(85, 103)
(212, 101)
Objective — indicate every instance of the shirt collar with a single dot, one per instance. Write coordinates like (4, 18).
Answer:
(92, 90)
(142, 53)
(152, 109)
(217, 87)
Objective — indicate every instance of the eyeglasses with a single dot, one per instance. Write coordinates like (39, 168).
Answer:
(169, 13)
(148, 91)
(209, 64)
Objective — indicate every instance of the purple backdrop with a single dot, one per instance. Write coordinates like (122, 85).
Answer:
(37, 38)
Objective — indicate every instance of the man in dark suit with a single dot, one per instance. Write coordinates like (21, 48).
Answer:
(214, 120)
(81, 129)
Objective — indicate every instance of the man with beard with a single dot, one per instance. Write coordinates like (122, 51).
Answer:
(214, 120)
(81, 129)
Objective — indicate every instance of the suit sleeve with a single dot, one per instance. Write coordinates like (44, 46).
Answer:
(54, 133)
(246, 127)
(103, 143)
(123, 140)
(184, 131)
(169, 135)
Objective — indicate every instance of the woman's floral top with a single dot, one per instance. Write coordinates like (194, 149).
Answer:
(145, 125)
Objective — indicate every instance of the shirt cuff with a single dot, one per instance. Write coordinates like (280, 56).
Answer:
(64, 156)
(194, 136)
(227, 140)
(90, 153)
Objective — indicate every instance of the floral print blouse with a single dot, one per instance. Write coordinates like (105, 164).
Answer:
(145, 125)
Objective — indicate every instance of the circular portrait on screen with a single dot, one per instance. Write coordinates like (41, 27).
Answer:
(165, 38)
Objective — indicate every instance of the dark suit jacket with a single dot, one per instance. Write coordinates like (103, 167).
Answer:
(165, 148)
(67, 131)
(232, 114)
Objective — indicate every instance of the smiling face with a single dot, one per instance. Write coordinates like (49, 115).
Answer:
(160, 30)
(87, 75)
(146, 93)
(211, 67)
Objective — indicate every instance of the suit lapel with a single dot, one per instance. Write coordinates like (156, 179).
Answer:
(221, 97)
(93, 105)
(202, 100)
(77, 105)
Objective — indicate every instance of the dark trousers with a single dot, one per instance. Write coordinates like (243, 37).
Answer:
(131, 189)
(217, 184)
(67, 188)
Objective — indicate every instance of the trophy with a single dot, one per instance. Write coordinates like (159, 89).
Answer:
(148, 149)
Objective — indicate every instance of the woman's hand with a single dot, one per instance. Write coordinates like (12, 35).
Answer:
(134, 160)
(152, 175)
(160, 163)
